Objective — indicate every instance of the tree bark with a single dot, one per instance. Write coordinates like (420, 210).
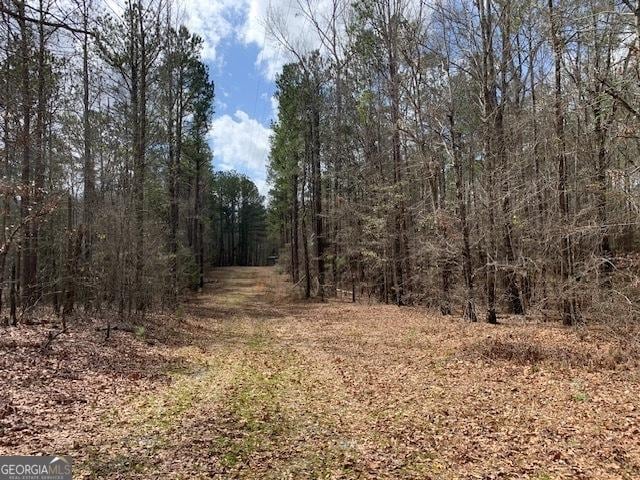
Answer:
(88, 163)
(305, 242)
(295, 262)
(467, 266)
(490, 110)
(316, 184)
(27, 280)
(569, 304)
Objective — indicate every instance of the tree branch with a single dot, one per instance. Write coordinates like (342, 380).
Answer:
(47, 23)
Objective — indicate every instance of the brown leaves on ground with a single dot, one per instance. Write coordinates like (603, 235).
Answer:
(50, 396)
(246, 383)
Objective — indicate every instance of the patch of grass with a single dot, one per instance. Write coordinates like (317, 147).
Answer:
(255, 417)
(177, 369)
(411, 335)
(257, 402)
(139, 331)
(422, 465)
(257, 341)
(543, 476)
(100, 467)
(161, 411)
(170, 409)
(228, 299)
(580, 394)
(580, 397)
(152, 420)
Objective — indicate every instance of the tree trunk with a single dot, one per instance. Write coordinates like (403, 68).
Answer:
(295, 262)
(12, 296)
(467, 266)
(316, 183)
(139, 94)
(305, 243)
(27, 280)
(199, 248)
(398, 244)
(88, 163)
(490, 110)
(70, 270)
(514, 301)
(569, 304)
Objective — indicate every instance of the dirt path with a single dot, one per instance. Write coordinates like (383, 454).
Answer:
(261, 386)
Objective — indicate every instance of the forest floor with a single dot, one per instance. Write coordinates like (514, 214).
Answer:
(247, 382)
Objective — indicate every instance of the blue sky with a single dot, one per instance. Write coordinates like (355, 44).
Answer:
(243, 63)
(244, 110)
(240, 84)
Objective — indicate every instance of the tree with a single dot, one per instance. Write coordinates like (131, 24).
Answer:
(85, 194)
(443, 144)
(241, 221)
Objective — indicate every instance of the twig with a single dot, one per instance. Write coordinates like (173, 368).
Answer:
(51, 337)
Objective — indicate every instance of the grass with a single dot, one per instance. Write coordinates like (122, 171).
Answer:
(370, 392)
(254, 413)
(543, 476)
(254, 405)
(99, 467)
(581, 397)
(257, 341)
(152, 419)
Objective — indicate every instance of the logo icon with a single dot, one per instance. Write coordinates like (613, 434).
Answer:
(35, 468)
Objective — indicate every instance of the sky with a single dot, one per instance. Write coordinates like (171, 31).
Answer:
(243, 63)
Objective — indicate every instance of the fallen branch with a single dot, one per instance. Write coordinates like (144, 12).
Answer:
(51, 337)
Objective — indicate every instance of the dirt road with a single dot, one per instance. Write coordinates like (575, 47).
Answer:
(254, 384)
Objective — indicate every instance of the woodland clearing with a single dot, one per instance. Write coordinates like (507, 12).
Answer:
(247, 382)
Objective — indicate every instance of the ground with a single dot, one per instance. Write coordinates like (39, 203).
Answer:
(246, 382)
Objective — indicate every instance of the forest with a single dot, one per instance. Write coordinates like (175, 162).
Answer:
(109, 196)
(334, 239)
(240, 222)
(476, 157)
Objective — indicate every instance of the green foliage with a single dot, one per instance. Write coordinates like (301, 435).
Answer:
(240, 220)
(580, 397)
(287, 143)
(139, 331)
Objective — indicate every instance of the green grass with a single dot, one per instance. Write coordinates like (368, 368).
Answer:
(581, 397)
(153, 419)
(100, 467)
(543, 476)
(257, 342)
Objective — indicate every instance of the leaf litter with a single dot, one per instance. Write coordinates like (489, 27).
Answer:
(245, 381)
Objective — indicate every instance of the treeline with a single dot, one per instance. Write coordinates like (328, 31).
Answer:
(463, 153)
(106, 173)
(239, 222)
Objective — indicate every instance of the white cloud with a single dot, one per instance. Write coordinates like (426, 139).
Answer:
(241, 143)
(221, 106)
(263, 186)
(254, 30)
(270, 23)
(286, 21)
(217, 20)
(274, 107)
(213, 20)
